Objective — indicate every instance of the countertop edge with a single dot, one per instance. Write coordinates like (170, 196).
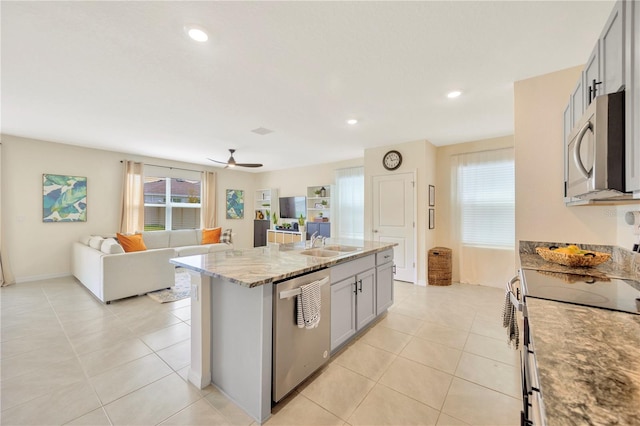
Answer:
(322, 263)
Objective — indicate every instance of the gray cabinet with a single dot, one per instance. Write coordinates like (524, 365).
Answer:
(353, 298)
(632, 97)
(322, 228)
(343, 313)
(365, 298)
(609, 69)
(384, 281)
(612, 51)
(590, 74)
(260, 232)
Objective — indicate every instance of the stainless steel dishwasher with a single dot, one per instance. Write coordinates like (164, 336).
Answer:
(298, 352)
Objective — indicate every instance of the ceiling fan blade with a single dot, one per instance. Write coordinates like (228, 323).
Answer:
(216, 161)
(248, 165)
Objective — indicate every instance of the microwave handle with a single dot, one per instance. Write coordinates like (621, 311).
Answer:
(576, 151)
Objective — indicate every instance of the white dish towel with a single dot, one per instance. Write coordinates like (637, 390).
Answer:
(309, 302)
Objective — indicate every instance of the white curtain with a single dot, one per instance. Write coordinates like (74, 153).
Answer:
(349, 200)
(132, 217)
(208, 216)
(483, 223)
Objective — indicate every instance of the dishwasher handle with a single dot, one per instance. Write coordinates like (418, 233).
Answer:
(296, 291)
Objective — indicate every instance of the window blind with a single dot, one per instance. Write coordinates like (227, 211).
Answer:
(486, 197)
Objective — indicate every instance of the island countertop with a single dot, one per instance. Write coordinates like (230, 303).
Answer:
(588, 363)
(253, 267)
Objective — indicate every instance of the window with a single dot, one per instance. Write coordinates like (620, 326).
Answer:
(486, 198)
(350, 203)
(171, 203)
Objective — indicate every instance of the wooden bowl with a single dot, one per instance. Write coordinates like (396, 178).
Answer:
(592, 258)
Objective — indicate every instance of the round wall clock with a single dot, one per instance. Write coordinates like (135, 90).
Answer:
(392, 160)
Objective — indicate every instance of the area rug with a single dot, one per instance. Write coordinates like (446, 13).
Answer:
(180, 291)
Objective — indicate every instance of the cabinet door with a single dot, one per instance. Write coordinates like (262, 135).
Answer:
(311, 228)
(366, 298)
(343, 313)
(577, 105)
(612, 51)
(260, 232)
(384, 287)
(324, 229)
(590, 73)
(271, 236)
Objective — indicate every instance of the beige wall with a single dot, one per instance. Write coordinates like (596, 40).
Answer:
(418, 157)
(541, 214)
(443, 189)
(32, 249)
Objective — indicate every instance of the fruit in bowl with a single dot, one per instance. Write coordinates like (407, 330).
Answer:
(572, 255)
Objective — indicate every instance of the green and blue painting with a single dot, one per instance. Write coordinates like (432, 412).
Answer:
(64, 198)
(235, 204)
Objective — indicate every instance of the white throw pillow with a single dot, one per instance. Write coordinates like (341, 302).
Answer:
(95, 242)
(111, 246)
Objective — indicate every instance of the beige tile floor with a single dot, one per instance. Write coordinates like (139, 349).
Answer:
(439, 357)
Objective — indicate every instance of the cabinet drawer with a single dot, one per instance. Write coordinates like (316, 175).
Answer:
(351, 268)
(384, 257)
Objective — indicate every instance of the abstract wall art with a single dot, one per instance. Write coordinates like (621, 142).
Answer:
(64, 198)
(235, 204)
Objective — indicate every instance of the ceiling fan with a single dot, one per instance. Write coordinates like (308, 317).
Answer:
(231, 162)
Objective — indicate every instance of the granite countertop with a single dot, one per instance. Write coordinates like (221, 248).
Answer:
(257, 266)
(588, 363)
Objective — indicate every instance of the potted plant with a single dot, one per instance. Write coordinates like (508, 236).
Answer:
(274, 217)
(301, 223)
(268, 214)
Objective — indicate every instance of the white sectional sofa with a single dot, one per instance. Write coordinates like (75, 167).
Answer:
(103, 267)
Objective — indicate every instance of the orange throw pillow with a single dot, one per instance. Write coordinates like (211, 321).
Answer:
(131, 242)
(211, 236)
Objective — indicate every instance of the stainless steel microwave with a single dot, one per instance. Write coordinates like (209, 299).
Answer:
(594, 156)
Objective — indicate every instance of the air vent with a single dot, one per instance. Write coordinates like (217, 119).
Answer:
(262, 131)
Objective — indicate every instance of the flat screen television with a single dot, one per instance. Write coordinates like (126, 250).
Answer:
(292, 207)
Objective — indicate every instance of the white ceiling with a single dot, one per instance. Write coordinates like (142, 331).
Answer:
(124, 76)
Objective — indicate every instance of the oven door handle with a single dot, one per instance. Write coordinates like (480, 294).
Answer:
(512, 295)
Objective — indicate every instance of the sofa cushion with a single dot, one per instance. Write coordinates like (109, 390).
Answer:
(156, 239)
(226, 237)
(95, 242)
(183, 237)
(111, 246)
(211, 236)
(213, 248)
(131, 243)
(191, 250)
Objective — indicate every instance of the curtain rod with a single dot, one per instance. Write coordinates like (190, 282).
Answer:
(168, 167)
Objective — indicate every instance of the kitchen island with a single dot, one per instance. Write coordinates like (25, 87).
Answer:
(232, 314)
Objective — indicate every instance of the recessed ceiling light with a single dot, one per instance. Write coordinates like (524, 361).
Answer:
(352, 121)
(196, 33)
(454, 94)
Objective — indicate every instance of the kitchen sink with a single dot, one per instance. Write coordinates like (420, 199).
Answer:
(320, 253)
(341, 248)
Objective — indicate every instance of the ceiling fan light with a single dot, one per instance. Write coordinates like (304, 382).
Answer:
(352, 121)
(454, 94)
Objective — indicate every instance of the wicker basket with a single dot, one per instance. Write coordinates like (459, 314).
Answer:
(593, 258)
(439, 266)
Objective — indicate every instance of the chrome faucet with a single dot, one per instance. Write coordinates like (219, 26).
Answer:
(315, 237)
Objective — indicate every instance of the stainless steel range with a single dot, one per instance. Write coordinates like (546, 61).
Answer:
(599, 292)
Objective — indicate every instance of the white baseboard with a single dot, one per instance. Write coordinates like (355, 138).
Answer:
(422, 283)
(32, 278)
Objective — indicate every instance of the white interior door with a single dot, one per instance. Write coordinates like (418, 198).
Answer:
(394, 220)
